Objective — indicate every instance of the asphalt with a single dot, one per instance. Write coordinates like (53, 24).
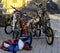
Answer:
(38, 45)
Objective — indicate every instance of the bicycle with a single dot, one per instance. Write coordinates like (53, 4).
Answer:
(8, 24)
(17, 24)
(44, 24)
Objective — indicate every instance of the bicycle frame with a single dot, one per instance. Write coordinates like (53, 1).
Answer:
(14, 21)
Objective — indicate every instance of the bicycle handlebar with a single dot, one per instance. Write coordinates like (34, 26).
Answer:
(38, 4)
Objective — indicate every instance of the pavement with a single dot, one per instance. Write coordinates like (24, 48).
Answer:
(40, 45)
(55, 24)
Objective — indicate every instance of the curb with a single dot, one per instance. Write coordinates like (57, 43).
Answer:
(54, 16)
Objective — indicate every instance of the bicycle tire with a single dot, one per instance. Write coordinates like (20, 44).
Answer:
(38, 33)
(16, 30)
(6, 31)
(51, 36)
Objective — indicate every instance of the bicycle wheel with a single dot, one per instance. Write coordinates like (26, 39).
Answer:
(49, 36)
(38, 33)
(8, 29)
(17, 29)
(33, 33)
(38, 29)
(15, 34)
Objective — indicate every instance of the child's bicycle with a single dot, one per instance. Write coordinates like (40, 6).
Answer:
(8, 24)
(13, 24)
(44, 24)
